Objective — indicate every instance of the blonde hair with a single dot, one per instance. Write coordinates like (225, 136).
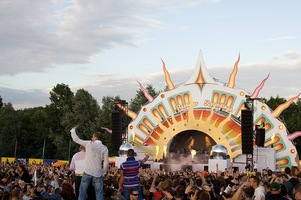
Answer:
(82, 148)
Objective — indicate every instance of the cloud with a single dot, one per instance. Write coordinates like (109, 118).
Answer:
(38, 35)
(283, 81)
(25, 98)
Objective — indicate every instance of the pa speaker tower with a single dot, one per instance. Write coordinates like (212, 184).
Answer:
(247, 131)
(116, 130)
(260, 137)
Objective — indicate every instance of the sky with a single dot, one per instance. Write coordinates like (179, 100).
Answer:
(105, 47)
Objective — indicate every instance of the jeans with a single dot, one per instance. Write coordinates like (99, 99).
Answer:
(126, 192)
(97, 183)
(77, 181)
(90, 191)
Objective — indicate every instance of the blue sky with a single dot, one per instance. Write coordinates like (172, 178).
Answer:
(105, 47)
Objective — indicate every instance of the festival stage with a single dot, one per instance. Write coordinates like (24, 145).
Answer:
(264, 157)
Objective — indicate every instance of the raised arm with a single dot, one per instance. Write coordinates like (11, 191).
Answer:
(145, 158)
(76, 139)
(153, 186)
(121, 179)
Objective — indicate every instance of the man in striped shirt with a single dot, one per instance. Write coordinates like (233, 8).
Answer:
(129, 174)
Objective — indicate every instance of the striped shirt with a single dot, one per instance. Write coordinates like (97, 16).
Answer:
(130, 170)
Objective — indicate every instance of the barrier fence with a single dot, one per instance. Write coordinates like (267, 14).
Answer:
(32, 160)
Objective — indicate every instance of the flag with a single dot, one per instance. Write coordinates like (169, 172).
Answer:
(34, 178)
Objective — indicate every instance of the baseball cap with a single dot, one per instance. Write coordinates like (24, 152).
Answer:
(274, 186)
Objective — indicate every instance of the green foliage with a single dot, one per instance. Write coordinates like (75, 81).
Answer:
(1, 102)
(105, 121)
(291, 116)
(30, 127)
(61, 103)
(33, 131)
(9, 129)
(140, 100)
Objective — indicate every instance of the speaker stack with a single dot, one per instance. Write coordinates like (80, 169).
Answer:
(116, 131)
(247, 131)
(260, 137)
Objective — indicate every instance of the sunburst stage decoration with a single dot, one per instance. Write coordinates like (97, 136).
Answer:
(201, 113)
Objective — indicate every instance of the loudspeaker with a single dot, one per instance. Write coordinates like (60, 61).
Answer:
(116, 130)
(247, 131)
(165, 167)
(260, 137)
(186, 167)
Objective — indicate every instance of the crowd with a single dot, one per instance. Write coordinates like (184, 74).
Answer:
(90, 168)
(37, 181)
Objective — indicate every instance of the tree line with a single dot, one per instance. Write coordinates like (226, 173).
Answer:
(43, 132)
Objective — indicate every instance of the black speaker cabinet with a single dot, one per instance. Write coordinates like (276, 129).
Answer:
(247, 131)
(260, 137)
(116, 130)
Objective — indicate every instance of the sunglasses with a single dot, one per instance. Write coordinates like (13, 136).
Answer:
(135, 194)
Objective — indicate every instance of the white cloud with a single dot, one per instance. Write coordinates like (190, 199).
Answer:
(84, 44)
(36, 35)
(283, 81)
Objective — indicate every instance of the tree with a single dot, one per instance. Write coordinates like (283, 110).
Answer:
(61, 102)
(105, 120)
(1, 102)
(85, 113)
(34, 130)
(140, 99)
(9, 130)
(291, 116)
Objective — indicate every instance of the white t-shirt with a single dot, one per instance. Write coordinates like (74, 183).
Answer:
(259, 193)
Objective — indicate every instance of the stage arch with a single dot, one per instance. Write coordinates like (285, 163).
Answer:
(209, 107)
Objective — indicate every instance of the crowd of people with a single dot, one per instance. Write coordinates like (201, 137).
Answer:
(89, 176)
(18, 182)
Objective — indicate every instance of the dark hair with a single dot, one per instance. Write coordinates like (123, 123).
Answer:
(5, 195)
(198, 182)
(249, 191)
(67, 191)
(23, 168)
(285, 175)
(133, 189)
(256, 179)
(284, 190)
(97, 135)
(287, 170)
(131, 153)
(293, 170)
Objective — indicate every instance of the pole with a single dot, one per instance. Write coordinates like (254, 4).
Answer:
(16, 146)
(43, 153)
